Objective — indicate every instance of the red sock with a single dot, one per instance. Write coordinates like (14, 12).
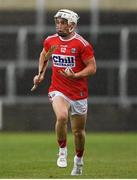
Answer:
(62, 143)
(79, 153)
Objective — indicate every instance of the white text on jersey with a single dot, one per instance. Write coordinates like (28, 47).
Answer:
(63, 60)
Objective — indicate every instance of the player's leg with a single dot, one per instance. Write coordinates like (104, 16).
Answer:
(61, 109)
(78, 128)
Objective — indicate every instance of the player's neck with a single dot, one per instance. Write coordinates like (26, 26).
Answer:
(69, 36)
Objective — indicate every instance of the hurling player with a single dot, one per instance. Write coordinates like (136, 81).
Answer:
(73, 62)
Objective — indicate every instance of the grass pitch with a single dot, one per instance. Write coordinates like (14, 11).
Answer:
(33, 155)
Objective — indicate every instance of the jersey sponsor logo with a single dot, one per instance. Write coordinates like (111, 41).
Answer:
(63, 60)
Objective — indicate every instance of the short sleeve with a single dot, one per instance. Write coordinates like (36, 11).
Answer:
(46, 45)
(87, 52)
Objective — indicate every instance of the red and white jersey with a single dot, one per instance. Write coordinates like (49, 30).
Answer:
(70, 53)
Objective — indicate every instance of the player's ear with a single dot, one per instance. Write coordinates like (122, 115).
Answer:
(72, 26)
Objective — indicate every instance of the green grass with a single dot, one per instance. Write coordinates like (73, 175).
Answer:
(33, 155)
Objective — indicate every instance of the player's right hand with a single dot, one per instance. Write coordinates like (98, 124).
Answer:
(38, 79)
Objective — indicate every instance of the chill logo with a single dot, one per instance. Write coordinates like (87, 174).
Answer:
(63, 61)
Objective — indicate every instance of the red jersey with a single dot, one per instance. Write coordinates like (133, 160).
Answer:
(70, 53)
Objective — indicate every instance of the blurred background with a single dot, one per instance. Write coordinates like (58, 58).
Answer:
(111, 27)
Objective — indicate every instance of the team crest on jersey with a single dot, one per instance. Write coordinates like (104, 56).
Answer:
(63, 60)
(73, 50)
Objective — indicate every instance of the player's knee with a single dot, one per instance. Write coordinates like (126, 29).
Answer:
(78, 133)
(62, 117)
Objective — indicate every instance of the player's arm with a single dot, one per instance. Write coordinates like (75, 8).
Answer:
(90, 68)
(42, 63)
(41, 71)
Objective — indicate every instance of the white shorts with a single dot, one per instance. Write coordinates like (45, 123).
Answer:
(76, 106)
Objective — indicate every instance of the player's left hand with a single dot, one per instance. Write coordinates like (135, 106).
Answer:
(68, 72)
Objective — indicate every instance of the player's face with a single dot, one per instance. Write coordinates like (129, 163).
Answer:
(62, 27)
